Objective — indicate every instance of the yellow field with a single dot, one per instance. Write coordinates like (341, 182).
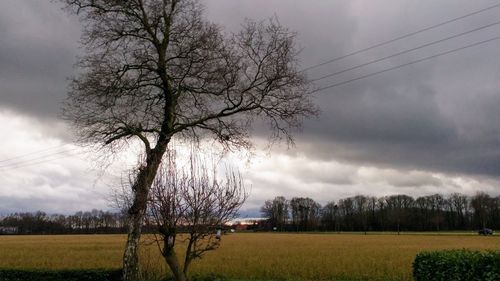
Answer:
(259, 256)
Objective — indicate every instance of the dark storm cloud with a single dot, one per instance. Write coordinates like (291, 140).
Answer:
(324, 27)
(438, 115)
(409, 119)
(37, 50)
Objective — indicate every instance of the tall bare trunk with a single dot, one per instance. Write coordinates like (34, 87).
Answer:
(136, 212)
(131, 256)
(188, 258)
(175, 266)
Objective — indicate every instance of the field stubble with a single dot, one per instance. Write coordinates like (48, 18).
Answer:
(250, 256)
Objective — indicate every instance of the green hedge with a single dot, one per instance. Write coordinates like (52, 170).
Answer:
(457, 265)
(62, 275)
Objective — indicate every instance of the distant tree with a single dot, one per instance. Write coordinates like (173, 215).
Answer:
(495, 213)
(276, 211)
(330, 216)
(347, 211)
(361, 209)
(155, 69)
(449, 214)
(383, 216)
(306, 213)
(372, 209)
(399, 208)
(459, 203)
(423, 212)
(481, 203)
(195, 201)
(437, 203)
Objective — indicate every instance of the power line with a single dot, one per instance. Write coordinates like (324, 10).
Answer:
(34, 152)
(406, 64)
(34, 163)
(399, 38)
(406, 51)
(36, 158)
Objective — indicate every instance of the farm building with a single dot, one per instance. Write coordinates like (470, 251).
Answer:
(246, 223)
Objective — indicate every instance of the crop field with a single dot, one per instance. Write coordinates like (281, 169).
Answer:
(251, 256)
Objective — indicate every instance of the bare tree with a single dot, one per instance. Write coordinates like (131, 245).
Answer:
(347, 211)
(399, 207)
(305, 213)
(361, 206)
(459, 203)
(437, 205)
(154, 69)
(330, 216)
(196, 203)
(276, 211)
(481, 203)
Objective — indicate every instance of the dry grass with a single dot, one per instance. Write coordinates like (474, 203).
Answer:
(263, 256)
(61, 252)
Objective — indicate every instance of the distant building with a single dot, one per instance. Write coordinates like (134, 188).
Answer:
(241, 224)
(246, 221)
(8, 230)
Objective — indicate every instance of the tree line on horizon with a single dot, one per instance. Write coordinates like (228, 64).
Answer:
(88, 222)
(388, 213)
(357, 213)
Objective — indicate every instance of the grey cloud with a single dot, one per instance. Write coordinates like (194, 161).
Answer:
(37, 51)
(435, 116)
(61, 186)
(54, 193)
(49, 204)
(404, 179)
(409, 119)
(324, 28)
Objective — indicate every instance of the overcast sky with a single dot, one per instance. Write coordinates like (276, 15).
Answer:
(430, 127)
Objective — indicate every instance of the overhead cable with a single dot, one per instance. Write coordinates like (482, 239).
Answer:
(405, 64)
(400, 37)
(33, 163)
(405, 51)
(36, 158)
(33, 152)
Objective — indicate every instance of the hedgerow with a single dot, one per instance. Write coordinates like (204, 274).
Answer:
(60, 275)
(457, 265)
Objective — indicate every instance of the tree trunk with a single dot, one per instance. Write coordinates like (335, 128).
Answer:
(130, 256)
(175, 266)
(136, 212)
(188, 258)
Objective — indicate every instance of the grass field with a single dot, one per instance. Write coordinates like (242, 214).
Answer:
(251, 256)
